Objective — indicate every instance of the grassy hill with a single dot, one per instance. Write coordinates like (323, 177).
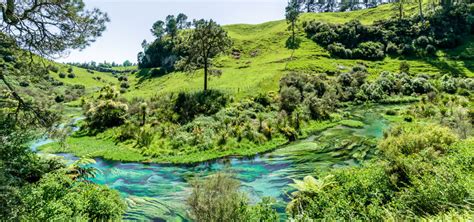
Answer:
(92, 81)
(264, 58)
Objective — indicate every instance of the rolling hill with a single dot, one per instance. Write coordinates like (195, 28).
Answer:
(260, 58)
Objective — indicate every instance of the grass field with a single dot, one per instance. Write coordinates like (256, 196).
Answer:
(264, 58)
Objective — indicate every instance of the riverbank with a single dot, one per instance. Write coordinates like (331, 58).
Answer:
(102, 146)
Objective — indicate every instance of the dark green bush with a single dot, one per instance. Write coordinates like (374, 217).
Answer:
(24, 84)
(391, 112)
(392, 49)
(71, 75)
(62, 75)
(53, 68)
(337, 49)
(421, 42)
(369, 50)
(124, 85)
(430, 49)
(404, 67)
(290, 97)
(105, 114)
(447, 28)
(189, 105)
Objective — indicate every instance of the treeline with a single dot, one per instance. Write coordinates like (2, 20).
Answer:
(164, 51)
(102, 66)
(339, 5)
(351, 5)
(443, 28)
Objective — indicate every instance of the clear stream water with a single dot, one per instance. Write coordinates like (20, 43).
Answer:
(157, 192)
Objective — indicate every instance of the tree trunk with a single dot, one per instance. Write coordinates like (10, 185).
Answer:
(205, 74)
(421, 10)
(400, 8)
(293, 33)
(143, 118)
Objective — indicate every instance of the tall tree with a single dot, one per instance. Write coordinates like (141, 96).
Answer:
(204, 42)
(292, 14)
(49, 27)
(400, 7)
(171, 26)
(309, 5)
(158, 29)
(182, 21)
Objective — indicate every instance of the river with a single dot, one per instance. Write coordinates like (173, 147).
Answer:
(157, 192)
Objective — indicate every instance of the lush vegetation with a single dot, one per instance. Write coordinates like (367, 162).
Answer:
(422, 171)
(265, 86)
(36, 187)
(444, 28)
(218, 198)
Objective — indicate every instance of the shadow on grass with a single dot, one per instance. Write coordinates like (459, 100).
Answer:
(149, 73)
(452, 68)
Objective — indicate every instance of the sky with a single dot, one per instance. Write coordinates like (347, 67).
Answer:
(131, 21)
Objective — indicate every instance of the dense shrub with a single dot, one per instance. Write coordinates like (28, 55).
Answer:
(71, 75)
(303, 89)
(62, 75)
(59, 99)
(421, 85)
(447, 28)
(421, 171)
(58, 197)
(337, 49)
(430, 50)
(189, 105)
(290, 97)
(24, 84)
(392, 49)
(53, 68)
(369, 50)
(217, 198)
(124, 84)
(105, 112)
(404, 67)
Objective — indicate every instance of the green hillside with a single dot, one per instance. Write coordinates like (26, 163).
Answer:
(92, 81)
(264, 58)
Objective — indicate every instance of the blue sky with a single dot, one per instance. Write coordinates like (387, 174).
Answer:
(131, 21)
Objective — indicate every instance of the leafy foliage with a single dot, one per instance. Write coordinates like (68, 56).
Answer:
(218, 198)
(408, 36)
(409, 180)
(106, 111)
(34, 25)
(204, 42)
(189, 105)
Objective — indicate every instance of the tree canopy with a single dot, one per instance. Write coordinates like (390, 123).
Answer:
(49, 27)
(206, 41)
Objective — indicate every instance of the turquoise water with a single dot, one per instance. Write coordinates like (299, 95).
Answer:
(158, 192)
